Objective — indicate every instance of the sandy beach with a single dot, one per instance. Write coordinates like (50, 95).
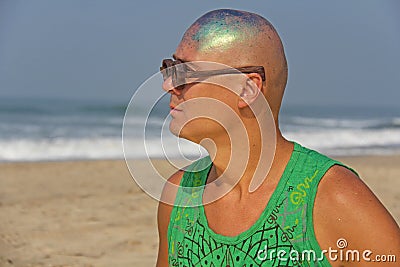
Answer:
(91, 213)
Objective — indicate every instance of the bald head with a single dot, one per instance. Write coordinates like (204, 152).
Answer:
(220, 30)
(238, 38)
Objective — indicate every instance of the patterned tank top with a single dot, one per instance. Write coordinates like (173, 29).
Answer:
(282, 236)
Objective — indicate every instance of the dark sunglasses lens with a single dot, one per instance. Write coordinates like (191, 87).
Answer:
(166, 69)
(175, 79)
(175, 70)
(165, 73)
(179, 79)
(180, 75)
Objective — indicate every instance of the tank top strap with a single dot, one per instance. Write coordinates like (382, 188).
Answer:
(186, 206)
(294, 212)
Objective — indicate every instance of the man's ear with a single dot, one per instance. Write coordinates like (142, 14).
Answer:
(251, 90)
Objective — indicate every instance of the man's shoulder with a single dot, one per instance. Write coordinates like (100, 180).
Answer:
(176, 177)
(343, 193)
(346, 207)
(341, 186)
(171, 187)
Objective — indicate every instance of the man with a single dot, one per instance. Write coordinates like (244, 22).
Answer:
(307, 210)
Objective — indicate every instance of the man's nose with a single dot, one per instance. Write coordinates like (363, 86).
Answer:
(169, 87)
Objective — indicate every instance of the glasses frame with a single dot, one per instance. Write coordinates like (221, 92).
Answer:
(170, 68)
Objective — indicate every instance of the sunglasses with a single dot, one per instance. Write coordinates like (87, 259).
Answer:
(179, 72)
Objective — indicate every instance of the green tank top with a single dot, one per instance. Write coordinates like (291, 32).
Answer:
(282, 236)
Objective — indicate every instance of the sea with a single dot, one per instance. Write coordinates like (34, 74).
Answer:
(59, 129)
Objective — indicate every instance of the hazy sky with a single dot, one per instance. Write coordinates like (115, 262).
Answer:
(339, 52)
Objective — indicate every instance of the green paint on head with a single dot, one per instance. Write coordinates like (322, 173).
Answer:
(224, 28)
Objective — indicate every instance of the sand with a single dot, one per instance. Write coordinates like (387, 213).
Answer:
(91, 213)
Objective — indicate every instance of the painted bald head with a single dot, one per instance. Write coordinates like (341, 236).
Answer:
(238, 38)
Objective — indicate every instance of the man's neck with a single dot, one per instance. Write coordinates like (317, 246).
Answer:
(249, 165)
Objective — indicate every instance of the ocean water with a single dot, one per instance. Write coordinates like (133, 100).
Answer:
(42, 130)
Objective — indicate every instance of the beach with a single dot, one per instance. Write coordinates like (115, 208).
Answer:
(92, 213)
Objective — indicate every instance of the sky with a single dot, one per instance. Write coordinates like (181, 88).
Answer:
(339, 52)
